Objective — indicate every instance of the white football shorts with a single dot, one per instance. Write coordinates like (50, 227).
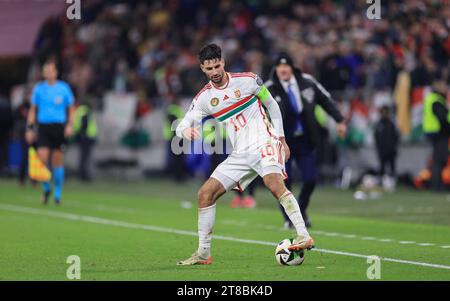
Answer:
(240, 169)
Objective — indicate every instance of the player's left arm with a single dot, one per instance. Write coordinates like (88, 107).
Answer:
(275, 114)
(273, 109)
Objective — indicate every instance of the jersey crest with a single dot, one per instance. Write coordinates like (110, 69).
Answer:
(214, 101)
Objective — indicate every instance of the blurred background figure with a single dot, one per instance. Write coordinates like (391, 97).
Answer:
(6, 124)
(386, 141)
(297, 94)
(175, 165)
(436, 125)
(20, 127)
(85, 133)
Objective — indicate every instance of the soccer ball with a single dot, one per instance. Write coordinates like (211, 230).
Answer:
(286, 257)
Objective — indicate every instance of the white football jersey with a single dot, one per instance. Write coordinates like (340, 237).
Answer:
(237, 107)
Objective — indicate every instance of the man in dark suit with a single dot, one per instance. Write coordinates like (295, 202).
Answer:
(297, 94)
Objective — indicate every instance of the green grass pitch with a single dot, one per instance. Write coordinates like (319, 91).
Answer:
(139, 230)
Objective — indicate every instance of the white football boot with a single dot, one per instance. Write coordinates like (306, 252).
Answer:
(195, 259)
(302, 242)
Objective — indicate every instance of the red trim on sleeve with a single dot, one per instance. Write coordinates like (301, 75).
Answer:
(244, 74)
(206, 87)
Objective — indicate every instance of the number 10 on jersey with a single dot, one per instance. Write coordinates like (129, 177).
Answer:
(238, 122)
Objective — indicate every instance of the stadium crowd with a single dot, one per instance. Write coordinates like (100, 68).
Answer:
(150, 48)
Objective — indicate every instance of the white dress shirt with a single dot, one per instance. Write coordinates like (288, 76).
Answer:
(294, 87)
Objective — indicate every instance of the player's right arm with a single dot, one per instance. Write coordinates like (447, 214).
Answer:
(189, 126)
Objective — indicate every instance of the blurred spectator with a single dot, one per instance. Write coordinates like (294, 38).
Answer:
(158, 42)
(85, 133)
(6, 124)
(20, 127)
(333, 76)
(436, 125)
(386, 141)
(175, 163)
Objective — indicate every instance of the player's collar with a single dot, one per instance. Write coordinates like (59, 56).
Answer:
(51, 84)
(224, 86)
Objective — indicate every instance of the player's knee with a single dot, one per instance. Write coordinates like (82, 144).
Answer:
(205, 197)
(275, 185)
(43, 155)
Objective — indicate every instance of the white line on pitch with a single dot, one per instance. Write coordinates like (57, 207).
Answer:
(334, 234)
(104, 221)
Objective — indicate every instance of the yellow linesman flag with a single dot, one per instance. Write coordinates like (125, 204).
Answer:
(36, 169)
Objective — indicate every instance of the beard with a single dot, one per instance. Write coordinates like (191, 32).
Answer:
(217, 79)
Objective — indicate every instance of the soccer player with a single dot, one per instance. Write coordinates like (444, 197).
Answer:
(52, 110)
(259, 148)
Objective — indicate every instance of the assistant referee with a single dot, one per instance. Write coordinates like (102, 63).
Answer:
(52, 111)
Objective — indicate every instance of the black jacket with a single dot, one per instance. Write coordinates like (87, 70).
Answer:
(386, 138)
(311, 93)
(6, 120)
(441, 112)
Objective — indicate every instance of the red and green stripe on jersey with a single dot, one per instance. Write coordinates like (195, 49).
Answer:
(224, 114)
(235, 108)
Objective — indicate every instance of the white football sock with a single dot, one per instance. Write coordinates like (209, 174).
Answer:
(290, 205)
(206, 220)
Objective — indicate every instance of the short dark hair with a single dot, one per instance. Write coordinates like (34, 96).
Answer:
(51, 61)
(209, 52)
(384, 109)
